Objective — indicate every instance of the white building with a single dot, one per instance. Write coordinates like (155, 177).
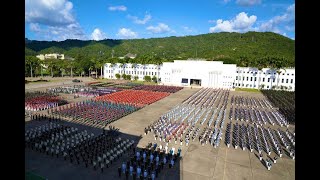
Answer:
(266, 78)
(140, 70)
(50, 56)
(207, 74)
(203, 73)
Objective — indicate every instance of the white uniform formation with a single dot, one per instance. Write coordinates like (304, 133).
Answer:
(262, 139)
(255, 120)
(207, 107)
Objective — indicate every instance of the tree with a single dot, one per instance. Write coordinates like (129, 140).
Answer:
(136, 78)
(51, 64)
(32, 62)
(118, 76)
(70, 64)
(124, 76)
(128, 77)
(154, 79)
(147, 78)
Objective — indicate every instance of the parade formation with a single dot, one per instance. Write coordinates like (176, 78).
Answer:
(209, 117)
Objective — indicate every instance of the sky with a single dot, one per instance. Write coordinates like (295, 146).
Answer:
(58, 20)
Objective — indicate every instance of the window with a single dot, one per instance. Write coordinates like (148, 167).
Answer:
(255, 78)
(152, 73)
(143, 72)
(243, 79)
(247, 85)
(268, 79)
(247, 78)
(254, 85)
(292, 74)
(250, 85)
(184, 80)
(236, 77)
(251, 79)
(155, 73)
(288, 74)
(262, 79)
(282, 73)
(251, 72)
(267, 87)
(237, 71)
(268, 72)
(287, 80)
(282, 80)
(264, 73)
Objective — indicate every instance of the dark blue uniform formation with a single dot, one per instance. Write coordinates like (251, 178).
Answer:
(148, 163)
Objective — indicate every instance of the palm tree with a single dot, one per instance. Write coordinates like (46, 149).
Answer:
(33, 62)
(50, 64)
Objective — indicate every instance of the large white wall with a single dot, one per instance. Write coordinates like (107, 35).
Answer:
(211, 73)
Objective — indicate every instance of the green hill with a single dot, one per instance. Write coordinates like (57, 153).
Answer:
(244, 49)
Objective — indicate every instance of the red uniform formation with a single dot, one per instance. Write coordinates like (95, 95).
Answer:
(168, 89)
(39, 101)
(133, 97)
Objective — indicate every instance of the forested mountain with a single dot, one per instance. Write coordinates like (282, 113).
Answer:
(255, 49)
(243, 49)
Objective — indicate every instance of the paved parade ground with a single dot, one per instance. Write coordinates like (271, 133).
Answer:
(197, 163)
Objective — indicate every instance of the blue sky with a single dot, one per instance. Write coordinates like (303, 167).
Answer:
(127, 19)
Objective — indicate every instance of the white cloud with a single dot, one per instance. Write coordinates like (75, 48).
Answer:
(242, 22)
(188, 29)
(56, 19)
(248, 2)
(161, 28)
(127, 33)
(34, 27)
(136, 20)
(117, 8)
(58, 33)
(287, 20)
(49, 12)
(98, 35)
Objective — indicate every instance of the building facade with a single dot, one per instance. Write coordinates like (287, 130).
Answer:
(265, 78)
(203, 73)
(50, 56)
(140, 70)
(199, 73)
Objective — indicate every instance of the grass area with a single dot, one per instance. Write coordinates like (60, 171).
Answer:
(248, 90)
(37, 81)
(144, 82)
(31, 176)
